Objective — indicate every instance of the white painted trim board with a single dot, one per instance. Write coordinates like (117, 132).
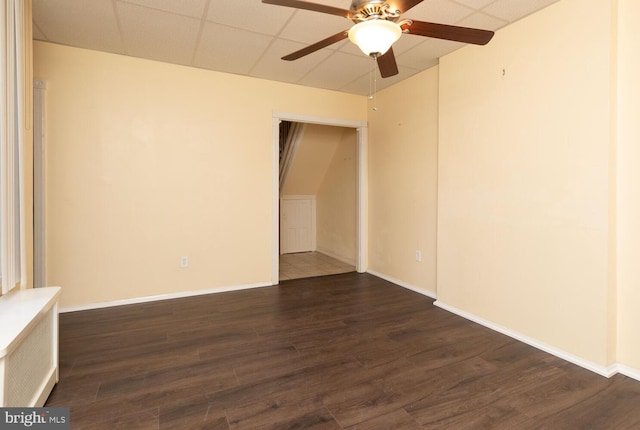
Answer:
(155, 298)
(596, 368)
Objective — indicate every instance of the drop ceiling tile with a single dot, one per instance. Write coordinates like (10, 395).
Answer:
(403, 73)
(439, 11)
(86, 24)
(426, 54)
(157, 35)
(229, 49)
(483, 21)
(350, 48)
(511, 10)
(475, 4)
(271, 66)
(310, 27)
(407, 42)
(361, 84)
(192, 8)
(337, 71)
(253, 16)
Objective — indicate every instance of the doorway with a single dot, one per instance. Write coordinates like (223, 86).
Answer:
(361, 145)
(317, 200)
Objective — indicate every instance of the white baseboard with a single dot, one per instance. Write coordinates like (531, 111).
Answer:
(351, 262)
(606, 371)
(158, 297)
(402, 284)
(627, 371)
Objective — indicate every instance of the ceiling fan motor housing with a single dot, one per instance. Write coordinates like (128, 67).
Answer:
(366, 10)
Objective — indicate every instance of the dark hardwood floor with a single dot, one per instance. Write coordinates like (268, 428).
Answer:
(346, 351)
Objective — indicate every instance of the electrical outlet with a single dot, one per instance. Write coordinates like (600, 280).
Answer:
(184, 262)
(418, 256)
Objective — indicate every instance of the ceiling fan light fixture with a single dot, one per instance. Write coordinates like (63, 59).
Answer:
(375, 36)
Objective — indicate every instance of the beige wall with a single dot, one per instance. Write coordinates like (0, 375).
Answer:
(403, 142)
(628, 158)
(336, 201)
(523, 197)
(147, 162)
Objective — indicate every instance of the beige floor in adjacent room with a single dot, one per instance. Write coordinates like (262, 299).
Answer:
(309, 264)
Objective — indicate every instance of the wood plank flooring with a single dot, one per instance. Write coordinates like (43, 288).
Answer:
(347, 351)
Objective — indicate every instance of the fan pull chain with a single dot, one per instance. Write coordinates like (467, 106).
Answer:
(370, 83)
(375, 87)
(373, 82)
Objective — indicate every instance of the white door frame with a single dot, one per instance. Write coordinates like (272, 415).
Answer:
(361, 184)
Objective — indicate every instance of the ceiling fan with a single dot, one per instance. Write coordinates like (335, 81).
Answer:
(378, 26)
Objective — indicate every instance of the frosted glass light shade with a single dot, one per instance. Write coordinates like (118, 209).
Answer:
(375, 36)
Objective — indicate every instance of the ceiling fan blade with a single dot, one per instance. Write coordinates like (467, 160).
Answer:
(449, 32)
(316, 46)
(387, 64)
(403, 5)
(299, 4)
